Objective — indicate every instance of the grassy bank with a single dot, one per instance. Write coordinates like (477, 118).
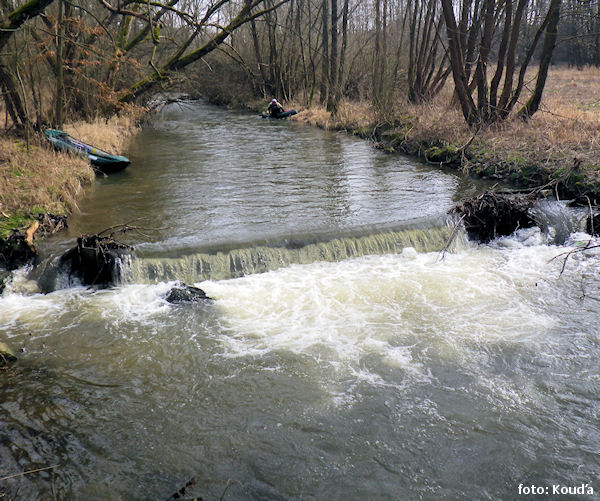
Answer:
(560, 146)
(35, 179)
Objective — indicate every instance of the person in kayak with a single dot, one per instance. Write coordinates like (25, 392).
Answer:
(274, 109)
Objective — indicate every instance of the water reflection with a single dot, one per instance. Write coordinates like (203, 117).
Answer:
(204, 176)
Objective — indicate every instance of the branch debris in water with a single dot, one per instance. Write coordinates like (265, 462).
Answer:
(14, 475)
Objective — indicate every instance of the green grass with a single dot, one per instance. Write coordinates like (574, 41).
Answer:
(14, 222)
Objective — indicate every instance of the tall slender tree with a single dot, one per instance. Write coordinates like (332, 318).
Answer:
(488, 108)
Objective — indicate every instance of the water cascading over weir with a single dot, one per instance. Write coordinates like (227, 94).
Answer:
(232, 260)
(235, 261)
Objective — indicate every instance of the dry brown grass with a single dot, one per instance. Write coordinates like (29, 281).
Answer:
(39, 180)
(566, 127)
(112, 135)
(315, 116)
(350, 116)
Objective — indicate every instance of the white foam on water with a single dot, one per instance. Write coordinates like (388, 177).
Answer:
(40, 312)
(390, 305)
(20, 284)
(136, 303)
(33, 312)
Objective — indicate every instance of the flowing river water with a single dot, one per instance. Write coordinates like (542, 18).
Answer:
(344, 356)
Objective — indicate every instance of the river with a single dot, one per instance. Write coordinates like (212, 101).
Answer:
(344, 355)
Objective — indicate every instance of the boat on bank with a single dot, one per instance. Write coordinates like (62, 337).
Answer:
(101, 160)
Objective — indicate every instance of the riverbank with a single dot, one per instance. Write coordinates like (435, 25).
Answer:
(558, 148)
(35, 180)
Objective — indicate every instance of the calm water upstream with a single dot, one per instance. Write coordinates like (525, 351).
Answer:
(359, 365)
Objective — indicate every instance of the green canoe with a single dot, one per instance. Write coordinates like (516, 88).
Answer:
(101, 160)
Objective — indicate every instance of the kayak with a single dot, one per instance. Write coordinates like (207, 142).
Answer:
(101, 160)
(285, 114)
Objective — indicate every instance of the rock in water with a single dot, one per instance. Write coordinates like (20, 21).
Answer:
(4, 278)
(182, 293)
(7, 356)
(15, 251)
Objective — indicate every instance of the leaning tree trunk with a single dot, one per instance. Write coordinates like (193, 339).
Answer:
(60, 76)
(459, 74)
(533, 103)
(12, 97)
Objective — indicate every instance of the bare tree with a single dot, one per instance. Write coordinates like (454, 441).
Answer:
(10, 81)
(182, 57)
(428, 66)
(489, 107)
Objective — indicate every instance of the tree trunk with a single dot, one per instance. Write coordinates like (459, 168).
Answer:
(533, 103)
(458, 66)
(377, 98)
(12, 97)
(266, 87)
(343, 49)
(324, 87)
(511, 58)
(60, 80)
(481, 70)
(333, 97)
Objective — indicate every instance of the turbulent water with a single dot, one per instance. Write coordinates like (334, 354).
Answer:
(345, 355)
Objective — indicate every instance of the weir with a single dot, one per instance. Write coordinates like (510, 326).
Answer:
(243, 261)
(348, 369)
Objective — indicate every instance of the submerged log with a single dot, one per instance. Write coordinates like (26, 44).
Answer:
(182, 293)
(493, 215)
(96, 260)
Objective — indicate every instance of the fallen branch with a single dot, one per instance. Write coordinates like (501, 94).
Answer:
(181, 492)
(576, 250)
(29, 234)
(451, 238)
(124, 228)
(28, 472)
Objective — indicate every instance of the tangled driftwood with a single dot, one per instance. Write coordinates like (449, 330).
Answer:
(96, 259)
(494, 214)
